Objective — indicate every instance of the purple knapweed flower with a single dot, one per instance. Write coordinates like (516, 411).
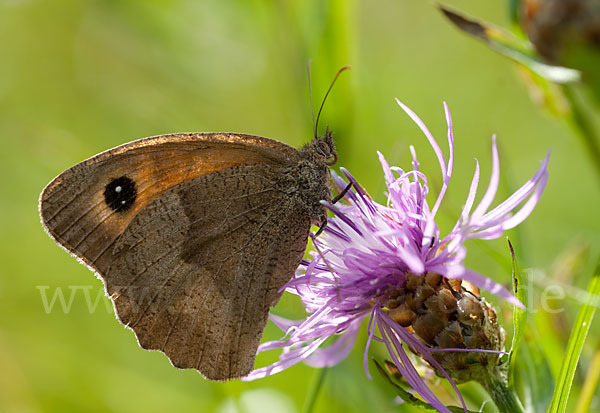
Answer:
(367, 253)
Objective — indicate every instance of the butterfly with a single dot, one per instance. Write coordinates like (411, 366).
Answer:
(193, 236)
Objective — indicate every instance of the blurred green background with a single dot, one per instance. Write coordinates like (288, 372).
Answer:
(78, 77)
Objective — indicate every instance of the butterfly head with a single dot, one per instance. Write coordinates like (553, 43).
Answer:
(322, 148)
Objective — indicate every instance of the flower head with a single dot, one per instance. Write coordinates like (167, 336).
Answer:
(390, 264)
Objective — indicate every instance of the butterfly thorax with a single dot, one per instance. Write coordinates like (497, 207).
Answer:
(312, 175)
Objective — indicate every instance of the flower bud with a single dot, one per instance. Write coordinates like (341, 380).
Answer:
(555, 26)
(445, 313)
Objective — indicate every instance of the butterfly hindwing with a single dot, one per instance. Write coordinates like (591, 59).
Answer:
(205, 298)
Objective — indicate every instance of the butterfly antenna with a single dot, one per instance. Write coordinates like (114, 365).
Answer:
(312, 107)
(339, 72)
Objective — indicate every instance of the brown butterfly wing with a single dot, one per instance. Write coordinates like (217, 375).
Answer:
(162, 257)
(200, 285)
(73, 206)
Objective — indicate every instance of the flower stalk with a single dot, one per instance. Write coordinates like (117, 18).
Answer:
(505, 398)
(314, 390)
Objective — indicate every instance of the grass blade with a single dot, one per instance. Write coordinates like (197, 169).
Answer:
(519, 314)
(589, 386)
(575, 345)
(518, 50)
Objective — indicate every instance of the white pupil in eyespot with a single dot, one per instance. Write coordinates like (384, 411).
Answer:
(118, 189)
(123, 202)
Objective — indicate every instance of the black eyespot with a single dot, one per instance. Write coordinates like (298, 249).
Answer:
(120, 194)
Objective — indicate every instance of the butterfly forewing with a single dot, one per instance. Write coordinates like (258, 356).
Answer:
(74, 206)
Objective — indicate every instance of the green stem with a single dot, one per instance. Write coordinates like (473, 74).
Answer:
(582, 126)
(313, 392)
(505, 399)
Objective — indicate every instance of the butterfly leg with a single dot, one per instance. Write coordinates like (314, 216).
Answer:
(321, 228)
(342, 194)
(335, 200)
